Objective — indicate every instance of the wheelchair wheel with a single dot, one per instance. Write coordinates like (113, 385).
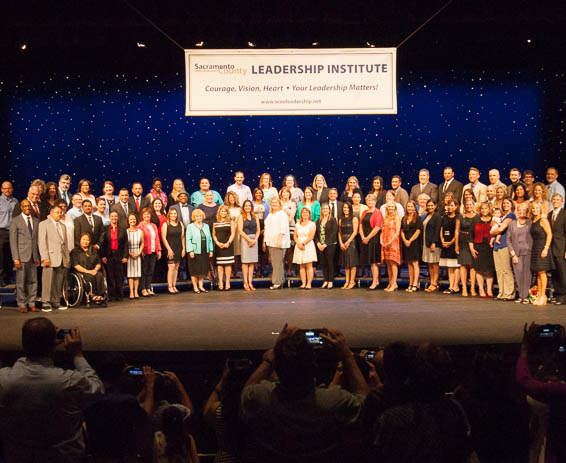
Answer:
(74, 290)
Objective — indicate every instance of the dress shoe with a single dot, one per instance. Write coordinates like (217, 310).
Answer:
(23, 310)
(33, 309)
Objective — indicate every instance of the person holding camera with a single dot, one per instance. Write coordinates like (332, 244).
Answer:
(40, 404)
(293, 419)
(547, 339)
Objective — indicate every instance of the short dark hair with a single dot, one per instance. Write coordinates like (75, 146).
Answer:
(38, 337)
(294, 361)
(432, 371)
(86, 201)
(397, 358)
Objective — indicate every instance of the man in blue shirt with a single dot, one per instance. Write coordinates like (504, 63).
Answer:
(7, 204)
(553, 186)
(197, 198)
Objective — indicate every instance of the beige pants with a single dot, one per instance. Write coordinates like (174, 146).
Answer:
(505, 281)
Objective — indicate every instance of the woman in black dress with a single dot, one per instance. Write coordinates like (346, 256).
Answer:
(378, 190)
(347, 232)
(210, 208)
(172, 234)
(541, 257)
(223, 235)
(370, 249)
(450, 245)
(482, 251)
(411, 230)
(86, 261)
(465, 259)
(325, 238)
(352, 186)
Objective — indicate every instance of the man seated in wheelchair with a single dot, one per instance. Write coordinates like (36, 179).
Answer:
(86, 261)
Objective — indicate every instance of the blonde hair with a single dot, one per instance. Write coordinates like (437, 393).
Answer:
(265, 174)
(198, 212)
(324, 185)
(219, 217)
(348, 182)
(227, 203)
(175, 194)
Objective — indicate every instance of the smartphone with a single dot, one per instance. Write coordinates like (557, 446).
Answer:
(370, 354)
(314, 337)
(135, 371)
(63, 332)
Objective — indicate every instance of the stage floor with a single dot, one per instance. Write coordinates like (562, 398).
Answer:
(239, 320)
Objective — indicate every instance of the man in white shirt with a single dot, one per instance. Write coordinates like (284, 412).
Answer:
(475, 185)
(495, 178)
(554, 187)
(41, 405)
(242, 191)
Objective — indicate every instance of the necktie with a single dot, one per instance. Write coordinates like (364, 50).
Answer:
(90, 222)
(35, 209)
(422, 186)
(29, 225)
(554, 214)
(138, 203)
(125, 206)
(57, 226)
(332, 209)
(444, 187)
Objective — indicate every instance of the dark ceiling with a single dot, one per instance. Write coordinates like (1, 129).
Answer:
(86, 34)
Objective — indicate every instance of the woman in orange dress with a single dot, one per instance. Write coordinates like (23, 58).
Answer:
(390, 246)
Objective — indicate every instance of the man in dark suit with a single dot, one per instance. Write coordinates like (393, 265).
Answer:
(183, 208)
(137, 202)
(64, 185)
(558, 223)
(33, 198)
(25, 252)
(450, 185)
(114, 254)
(424, 186)
(122, 207)
(335, 205)
(91, 224)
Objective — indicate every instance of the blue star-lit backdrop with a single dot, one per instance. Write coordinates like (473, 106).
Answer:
(129, 127)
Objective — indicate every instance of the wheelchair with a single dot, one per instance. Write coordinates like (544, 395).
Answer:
(78, 290)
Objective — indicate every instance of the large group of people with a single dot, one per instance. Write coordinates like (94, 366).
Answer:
(304, 402)
(512, 234)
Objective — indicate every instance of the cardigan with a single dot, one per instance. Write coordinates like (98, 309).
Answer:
(330, 231)
(193, 238)
(147, 237)
(376, 219)
(315, 211)
(432, 230)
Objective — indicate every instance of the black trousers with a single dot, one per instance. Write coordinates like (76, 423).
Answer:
(6, 264)
(326, 258)
(115, 273)
(148, 267)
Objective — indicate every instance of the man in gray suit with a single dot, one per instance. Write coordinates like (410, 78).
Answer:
(54, 253)
(424, 186)
(183, 208)
(23, 244)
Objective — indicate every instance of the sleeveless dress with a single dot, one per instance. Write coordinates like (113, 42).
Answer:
(224, 256)
(539, 264)
(369, 253)
(134, 245)
(392, 252)
(484, 262)
(249, 255)
(307, 255)
(234, 214)
(175, 240)
(465, 256)
(413, 252)
(448, 256)
(349, 257)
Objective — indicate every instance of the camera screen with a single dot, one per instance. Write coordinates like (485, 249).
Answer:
(313, 337)
(62, 333)
(135, 371)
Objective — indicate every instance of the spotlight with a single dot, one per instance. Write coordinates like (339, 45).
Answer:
(23, 46)
(315, 44)
(529, 40)
(199, 44)
(251, 44)
(141, 45)
(371, 45)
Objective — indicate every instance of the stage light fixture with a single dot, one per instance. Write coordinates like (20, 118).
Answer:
(371, 45)
(141, 45)
(23, 46)
(529, 40)
(315, 44)
(251, 44)
(199, 44)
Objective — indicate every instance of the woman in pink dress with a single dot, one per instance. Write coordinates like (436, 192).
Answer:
(390, 246)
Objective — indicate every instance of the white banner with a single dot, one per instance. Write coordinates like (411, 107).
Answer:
(291, 82)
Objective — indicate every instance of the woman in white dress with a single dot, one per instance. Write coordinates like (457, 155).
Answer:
(305, 251)
(290, 208)
(135, 248)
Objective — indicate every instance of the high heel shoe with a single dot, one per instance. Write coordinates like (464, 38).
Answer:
(196, 290)
(246, 287)
(252, 287)
(170, 290)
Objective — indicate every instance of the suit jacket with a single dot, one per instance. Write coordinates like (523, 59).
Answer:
(122, 217)
(123, 250)
(52, 245)
(558, 243)
(401, 197)
(132, 207)
(478, 190)
(430, 189)
(82, 226)
(432, 230)
(177, 207)
(455, 187)
(330, 232)
(22, 244)
(339, 212)
(323, 196)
